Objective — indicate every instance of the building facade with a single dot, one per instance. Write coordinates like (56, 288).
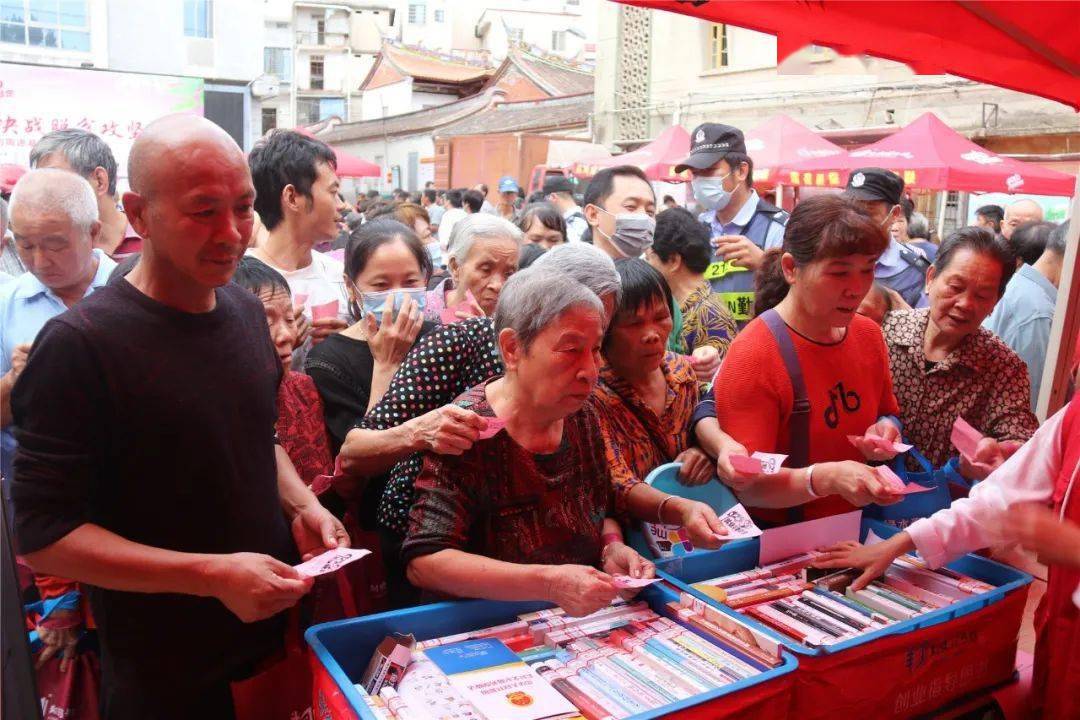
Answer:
(190, 38)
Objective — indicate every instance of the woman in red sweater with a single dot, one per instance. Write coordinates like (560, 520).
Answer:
(807, 296)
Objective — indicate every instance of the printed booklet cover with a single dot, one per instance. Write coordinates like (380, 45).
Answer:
(497, 682)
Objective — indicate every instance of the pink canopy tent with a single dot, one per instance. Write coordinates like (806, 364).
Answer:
(657, 159)
(780, 142)
(348, 165)
(930, 155)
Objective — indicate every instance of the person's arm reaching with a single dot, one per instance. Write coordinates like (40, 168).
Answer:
(7, 382)
(974, 522)
(314, 528)
(250, 585)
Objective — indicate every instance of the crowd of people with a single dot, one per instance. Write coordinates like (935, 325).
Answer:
(234, 369)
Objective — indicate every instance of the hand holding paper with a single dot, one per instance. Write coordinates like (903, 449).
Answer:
(894, 483)
(494, 427)
(739, 524)
(326, 310)
(330, 561)
(759, 463)
(624, 582)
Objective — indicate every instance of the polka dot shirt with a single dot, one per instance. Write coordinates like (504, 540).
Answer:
(441, 366)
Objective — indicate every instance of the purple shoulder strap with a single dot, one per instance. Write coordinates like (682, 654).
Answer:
(799, 423)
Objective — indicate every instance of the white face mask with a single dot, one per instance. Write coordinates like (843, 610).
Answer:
(710, 192)
(633, 233)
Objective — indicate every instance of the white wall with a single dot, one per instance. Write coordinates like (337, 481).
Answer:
(97, 56)
(390, 152)
(235, 52)
(387, 100)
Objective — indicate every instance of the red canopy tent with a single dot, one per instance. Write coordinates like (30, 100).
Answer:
(930, 155)
(780, 142)
(1033, 47)
(348, 165)
(657, 159)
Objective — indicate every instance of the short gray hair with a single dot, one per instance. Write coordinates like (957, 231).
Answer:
(479, 225)
(918, 226)
(50, 190)
(83, 150)
(534, 298)
(585, 263)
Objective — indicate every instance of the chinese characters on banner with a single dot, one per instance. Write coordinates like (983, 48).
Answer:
(36, 100)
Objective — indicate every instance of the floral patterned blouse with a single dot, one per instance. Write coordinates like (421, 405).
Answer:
(981, 380)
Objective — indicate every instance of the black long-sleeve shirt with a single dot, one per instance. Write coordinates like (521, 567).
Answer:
(157, 425)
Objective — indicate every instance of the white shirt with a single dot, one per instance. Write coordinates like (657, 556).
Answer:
(321, 281)
(976, 521)
(449, 219)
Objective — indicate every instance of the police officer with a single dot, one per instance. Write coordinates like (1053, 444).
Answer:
(901, 267)
(743, 225)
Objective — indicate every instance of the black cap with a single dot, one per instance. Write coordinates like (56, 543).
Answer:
(875, 184)
(709, 143)
(557, 183)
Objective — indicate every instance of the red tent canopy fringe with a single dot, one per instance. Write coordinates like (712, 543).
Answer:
(1032, 47)
(657, 159)
(348, 165)
(930, 155)
(780, 142)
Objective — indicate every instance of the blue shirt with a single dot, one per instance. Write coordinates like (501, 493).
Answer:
(1022, 319)
(25, 306)
(774, 238)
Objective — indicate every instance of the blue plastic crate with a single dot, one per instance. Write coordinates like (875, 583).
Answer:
(343, 648)
(734, 557)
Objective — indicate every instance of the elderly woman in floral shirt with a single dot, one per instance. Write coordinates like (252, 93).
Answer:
(944, 365)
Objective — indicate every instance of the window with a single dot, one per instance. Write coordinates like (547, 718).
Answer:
(312, 110)
(558, 40)
(316, 72)
(278, 62)
(62, 24)
(417, 13)
(199, 18)
(440, 16)
(269, 119)
(718, 47)
(515, 35)
(320, 32)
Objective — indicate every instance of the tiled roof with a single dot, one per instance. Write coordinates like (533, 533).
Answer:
(530, 116)
(418, 121)
(555, 77)
(428, 66)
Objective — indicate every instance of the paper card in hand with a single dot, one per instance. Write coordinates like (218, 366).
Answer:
(897, 485)
(494, 427)
(330, 561)
(739, 524)
(880, 443)
(746, 465)
(770, 462)
(965, 438)
(625, 581)
(326, 310)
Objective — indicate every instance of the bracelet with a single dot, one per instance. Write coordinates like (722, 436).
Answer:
(810, 481)
(609, 538)
(660, 510)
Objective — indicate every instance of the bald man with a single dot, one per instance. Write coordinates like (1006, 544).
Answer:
(147, 465)
(1017, 214)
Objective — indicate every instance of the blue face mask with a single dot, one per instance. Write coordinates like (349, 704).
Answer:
(375, 303)
(710, 192)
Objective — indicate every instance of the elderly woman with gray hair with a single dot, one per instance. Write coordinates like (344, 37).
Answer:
(525, 513)
(483, 253)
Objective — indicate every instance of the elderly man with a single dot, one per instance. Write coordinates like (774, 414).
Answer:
(147, 465)
(54, 220)
(83, 152)
(1017, 214)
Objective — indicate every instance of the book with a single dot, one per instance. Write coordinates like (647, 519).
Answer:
(497, 682)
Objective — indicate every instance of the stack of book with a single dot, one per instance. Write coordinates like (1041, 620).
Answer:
(819, 607)
(620, 661)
